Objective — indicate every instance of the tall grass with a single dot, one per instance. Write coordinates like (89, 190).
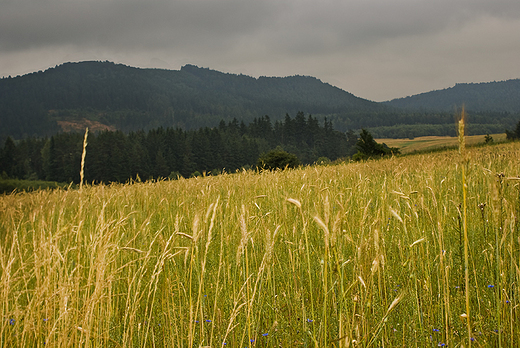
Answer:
(353, 255)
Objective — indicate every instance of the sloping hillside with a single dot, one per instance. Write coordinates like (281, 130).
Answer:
(128, 98)
(501, 96)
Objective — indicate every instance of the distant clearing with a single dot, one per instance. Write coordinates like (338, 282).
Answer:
(434, 142)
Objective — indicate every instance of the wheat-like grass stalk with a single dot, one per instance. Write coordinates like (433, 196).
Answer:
(462, 152)
(83, 155)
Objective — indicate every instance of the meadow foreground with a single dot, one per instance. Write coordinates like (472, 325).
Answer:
(354, 255)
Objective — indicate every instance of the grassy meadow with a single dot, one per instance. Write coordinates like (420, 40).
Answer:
(435, 142)
(365, 254)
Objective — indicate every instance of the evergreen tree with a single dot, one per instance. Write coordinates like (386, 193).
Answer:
(7, 158)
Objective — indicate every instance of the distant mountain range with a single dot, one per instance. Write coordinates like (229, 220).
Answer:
(108, 96)
(503, 96)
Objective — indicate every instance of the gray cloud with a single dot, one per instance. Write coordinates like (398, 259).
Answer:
(377, 49)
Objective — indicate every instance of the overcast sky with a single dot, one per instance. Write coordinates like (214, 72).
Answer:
(375, 49)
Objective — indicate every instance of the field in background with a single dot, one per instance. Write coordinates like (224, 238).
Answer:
(365, 254)
(435, 142)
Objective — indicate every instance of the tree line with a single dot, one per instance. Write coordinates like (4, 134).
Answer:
(114, 156)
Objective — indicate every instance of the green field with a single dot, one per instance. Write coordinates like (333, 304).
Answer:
(436, 142)
(368, 254)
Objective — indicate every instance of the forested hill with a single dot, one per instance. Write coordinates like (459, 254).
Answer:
(501, 96)
(104, 95)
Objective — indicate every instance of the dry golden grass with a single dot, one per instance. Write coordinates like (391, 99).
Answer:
(363, 254)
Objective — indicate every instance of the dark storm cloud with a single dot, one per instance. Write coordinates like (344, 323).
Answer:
(148, 24)
(197, 23)
(340, 24)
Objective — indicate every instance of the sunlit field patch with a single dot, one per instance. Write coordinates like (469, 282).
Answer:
(363, 254)
(435, 142)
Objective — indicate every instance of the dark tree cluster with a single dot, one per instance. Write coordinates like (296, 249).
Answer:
(515, 133)
(131, 99)
(369, 148)
(114, 156)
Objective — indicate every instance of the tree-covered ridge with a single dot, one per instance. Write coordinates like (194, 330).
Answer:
(503, 96)
(113, 156)
(118, 97)
(131, 99)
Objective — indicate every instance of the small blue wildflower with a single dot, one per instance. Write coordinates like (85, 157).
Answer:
(205, 295)
(252, 340)
(224, 344)
(496, 330)
(267, 333)
(472, 339)
(436, 330)
(491, 286)
(11, 321)
(208, 321)
(45, 320)
(197, 321)
(310, 320)
(507, 301)
(441, 344)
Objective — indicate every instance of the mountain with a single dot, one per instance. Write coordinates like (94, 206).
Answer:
(503, 96)
(108, 96)
(104, 95)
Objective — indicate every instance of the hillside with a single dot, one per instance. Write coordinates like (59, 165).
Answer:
(115, 96)
(503, 96)
(108, 96)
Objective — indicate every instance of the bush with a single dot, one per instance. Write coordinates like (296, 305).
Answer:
(323, 161)
(277, 159)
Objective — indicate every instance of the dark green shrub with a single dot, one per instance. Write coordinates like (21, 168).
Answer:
(277, 159)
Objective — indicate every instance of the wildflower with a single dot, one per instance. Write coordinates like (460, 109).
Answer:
(310, 320)
(436, 330)
(11, 321)
(267, 333)
(441, 344)
(472, 339)
(252, 340)
(491, 286)
(208, 321)
(507, 301)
